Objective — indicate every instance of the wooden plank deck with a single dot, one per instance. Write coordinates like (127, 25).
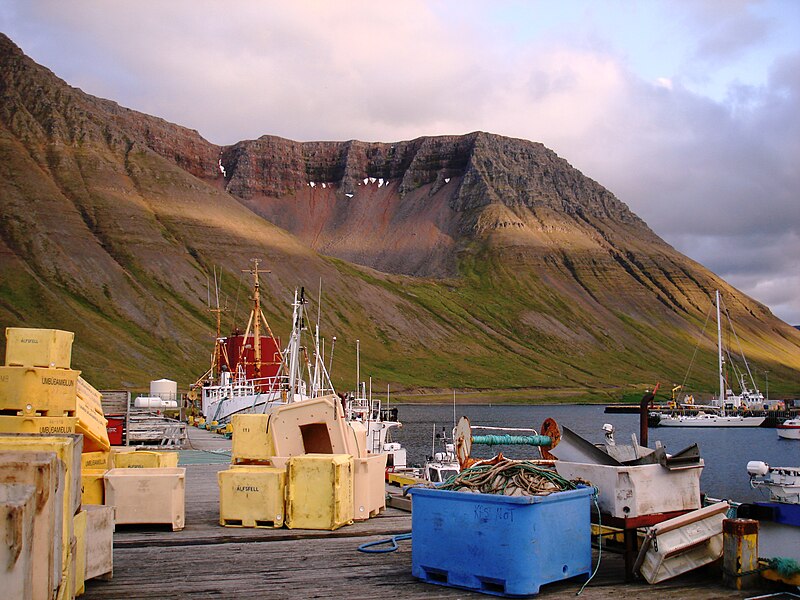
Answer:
(208, 561)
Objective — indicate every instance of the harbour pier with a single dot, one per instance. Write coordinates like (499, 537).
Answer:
(205, 560)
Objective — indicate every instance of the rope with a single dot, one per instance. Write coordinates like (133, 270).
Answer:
(599, 543)
(786, 567)
(368, 547)
(509, 478)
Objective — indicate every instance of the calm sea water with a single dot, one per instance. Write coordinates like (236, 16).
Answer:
(725, 451)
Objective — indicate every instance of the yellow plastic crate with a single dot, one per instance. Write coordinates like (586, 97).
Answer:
(96, 460)
(45, 473)
(89, 395)
(68, 450)
(40, 425)
(320, 491)
(79, 527)
(95, 438)
(143, 459)
(38, 391)
(92, 486)
(250, 441)
(66, 591)
(93, 426)
(252, 496)
(28, 347)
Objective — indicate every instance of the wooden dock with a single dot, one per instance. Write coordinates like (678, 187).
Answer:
(205, 560)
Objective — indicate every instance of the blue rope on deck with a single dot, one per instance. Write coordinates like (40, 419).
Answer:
(369, 546)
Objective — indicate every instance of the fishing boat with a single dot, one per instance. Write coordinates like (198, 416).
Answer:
(249, 371)
(725, 401)
(779, 515)
(789, 430)
(441, 465)
(782, 483)
(379, 421)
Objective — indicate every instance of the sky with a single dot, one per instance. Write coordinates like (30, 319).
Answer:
(687, 110)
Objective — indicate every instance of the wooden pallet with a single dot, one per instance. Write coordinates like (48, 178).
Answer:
(145, 427)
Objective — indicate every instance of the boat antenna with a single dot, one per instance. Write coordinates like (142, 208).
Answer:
(454, 409)
(319, 302)
(330, 360)
(719, 359)
(358, 366)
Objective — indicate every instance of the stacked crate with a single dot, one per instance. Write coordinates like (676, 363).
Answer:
(50, 465)
(252, 492)
(41, 393)
(301, 466)
(48, 416)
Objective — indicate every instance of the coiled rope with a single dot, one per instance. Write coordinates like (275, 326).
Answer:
(509, 478)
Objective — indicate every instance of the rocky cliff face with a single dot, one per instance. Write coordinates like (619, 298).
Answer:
(471, 261)
(343, 198)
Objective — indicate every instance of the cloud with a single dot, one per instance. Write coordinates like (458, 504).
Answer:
(717, 178)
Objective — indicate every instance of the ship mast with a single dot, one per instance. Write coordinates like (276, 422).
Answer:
(255, 317)
(216, 360)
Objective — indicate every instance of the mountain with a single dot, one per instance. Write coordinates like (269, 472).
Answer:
(475, 262)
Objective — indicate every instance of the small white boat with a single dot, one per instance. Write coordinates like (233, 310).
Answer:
(783, 483)
(378, 422)
(779, 515)
(789, 430)
(709, 420)
(443, 465)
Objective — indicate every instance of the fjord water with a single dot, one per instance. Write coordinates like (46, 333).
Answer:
(725, 451)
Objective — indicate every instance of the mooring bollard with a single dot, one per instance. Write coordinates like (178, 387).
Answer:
(740, 553)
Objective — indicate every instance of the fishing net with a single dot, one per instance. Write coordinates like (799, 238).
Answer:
(508, 477)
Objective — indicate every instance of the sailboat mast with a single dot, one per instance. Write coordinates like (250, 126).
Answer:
(719, 357)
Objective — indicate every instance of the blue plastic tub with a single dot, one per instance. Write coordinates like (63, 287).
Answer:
(502, 545)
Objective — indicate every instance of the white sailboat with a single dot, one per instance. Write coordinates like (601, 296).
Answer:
(724, 401)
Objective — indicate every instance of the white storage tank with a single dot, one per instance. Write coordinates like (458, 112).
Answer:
(147, 402)
(166, 389)
(154, 402)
